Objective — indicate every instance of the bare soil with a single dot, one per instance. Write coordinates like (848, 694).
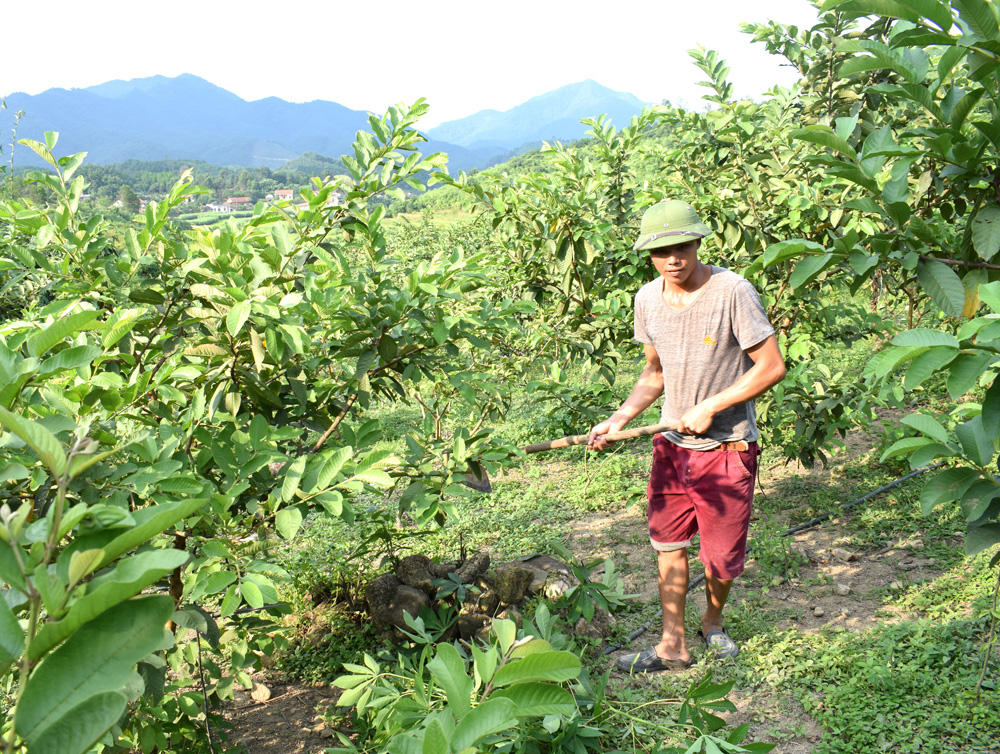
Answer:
(288, 722)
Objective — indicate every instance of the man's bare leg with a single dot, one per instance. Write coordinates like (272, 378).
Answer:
(672, 568)
(716, 593)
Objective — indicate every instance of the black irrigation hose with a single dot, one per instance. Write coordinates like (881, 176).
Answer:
(788, 532)
(869, 496)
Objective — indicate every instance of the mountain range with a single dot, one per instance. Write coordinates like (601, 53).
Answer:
(186, 117)
(547, 117)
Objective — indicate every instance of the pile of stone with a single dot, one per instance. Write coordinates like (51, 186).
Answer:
(499, 593)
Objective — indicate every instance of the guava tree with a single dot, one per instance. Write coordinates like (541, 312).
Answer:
(918, 150)
(170, 401)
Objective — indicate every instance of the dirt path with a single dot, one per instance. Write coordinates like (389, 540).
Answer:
(286, 722)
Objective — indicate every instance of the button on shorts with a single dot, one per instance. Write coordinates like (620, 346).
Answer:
(705, 492)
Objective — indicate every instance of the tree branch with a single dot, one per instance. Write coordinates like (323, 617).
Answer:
(336, 423)
(961, 263)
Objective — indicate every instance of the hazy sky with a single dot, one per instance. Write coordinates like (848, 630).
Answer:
(461, 56)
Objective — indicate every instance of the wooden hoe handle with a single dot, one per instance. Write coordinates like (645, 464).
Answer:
(628, 434)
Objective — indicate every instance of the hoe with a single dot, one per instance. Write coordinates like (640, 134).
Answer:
(479, 480)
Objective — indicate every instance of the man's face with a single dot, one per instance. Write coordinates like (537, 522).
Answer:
(676, 263)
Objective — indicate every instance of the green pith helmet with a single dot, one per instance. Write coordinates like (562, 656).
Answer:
(669, 222)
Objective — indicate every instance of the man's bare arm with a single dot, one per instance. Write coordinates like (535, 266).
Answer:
(648, 387)
(767, 371)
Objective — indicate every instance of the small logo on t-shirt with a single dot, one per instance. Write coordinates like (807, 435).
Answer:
(709, 341)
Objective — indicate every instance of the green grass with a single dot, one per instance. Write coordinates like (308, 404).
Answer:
(882, 689)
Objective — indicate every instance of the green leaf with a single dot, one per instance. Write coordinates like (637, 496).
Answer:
(365, 362)
(39, 439)
(917, 93)
(884, 55)
(825, 137)
(927, 364)
(965, 372)
(129, 577)
(890, 8)
(859, 64)
(808, 269)
(506, 631)
(11, 635)
(525, 648)
(81, 727)
(120, 324)
(214, 583)
(545, 666)
(928, 453)
(98, 658)
(374, 477)
(268, 592)
(990, 130)
(206, 349)
(180, 485)
(904, 447)
(937, 12)
(193, 619)
(981, 538)
(230, 601)
(237, 316)
(449, 669)
(991, 409)
(926, 425)
(539, 699)
(976, 500)
(488, 718)
(287, 522)
(978, 14)
(332, 466)
(785, 250)
(946, 486)
(989, 294)
(924, 337)
(293, 476)
(258, 430)
(435, 740)
(977, 443)
(83, 563)
(986, 232)
(70, 358)
(484, 664)
(989, 333)
(252, 594)
(440, 332)
(944, 287)
(146, 295)
(59, 330)
(10, 570)
(13, 472)
(885, 362)
(148, 523)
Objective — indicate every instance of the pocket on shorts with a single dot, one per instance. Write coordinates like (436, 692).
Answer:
(742, 464)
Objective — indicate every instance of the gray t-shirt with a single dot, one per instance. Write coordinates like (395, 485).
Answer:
(702, 350)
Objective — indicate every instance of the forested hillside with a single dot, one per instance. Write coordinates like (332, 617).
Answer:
(194, 418)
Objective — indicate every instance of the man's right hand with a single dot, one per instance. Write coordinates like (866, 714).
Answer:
(596, 440)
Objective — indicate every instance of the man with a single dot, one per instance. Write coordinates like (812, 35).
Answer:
(710, 351)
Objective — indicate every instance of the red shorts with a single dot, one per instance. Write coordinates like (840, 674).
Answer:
(702, 491)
